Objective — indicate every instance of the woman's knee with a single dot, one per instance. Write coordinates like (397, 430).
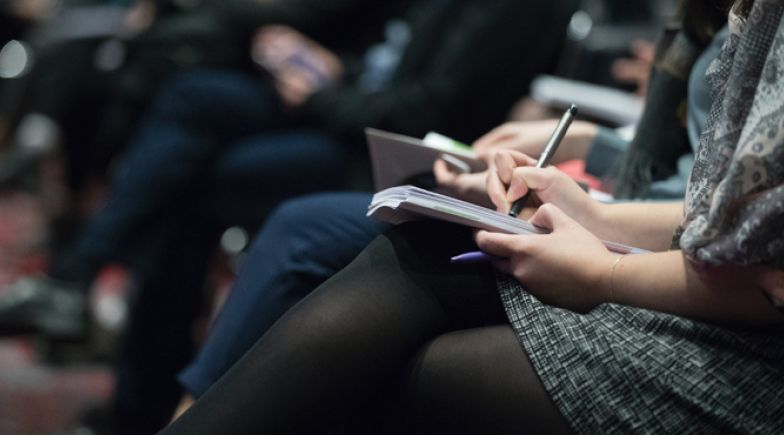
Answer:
(479, 381)
(458, 364)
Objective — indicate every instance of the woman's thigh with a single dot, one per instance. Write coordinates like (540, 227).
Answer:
(302, 243)
(477, 381)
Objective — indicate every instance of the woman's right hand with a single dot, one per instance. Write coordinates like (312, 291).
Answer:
(516, 173)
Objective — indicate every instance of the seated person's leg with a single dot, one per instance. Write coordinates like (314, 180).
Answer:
(471, 381)
(304, 242)
(193, 119)
(259, 172)
(174, 251)
(169, 272)
(240, 188)
(344, 343)
(475, 381)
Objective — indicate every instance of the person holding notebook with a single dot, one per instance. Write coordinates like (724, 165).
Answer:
(296, 249)
(561, 336)
(221, 148)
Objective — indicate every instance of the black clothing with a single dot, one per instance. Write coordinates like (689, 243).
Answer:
(463, 70)
(342, 25)
(401, 341)
(662, 137)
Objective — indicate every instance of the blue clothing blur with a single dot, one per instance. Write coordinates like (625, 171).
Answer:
(213, 138)
(303, 242)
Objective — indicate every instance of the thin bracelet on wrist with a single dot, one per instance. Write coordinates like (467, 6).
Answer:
(612, 277)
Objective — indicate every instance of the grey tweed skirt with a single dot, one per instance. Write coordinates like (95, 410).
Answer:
(619, 369)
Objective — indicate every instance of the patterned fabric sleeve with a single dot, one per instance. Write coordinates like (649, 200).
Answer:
(735, 200)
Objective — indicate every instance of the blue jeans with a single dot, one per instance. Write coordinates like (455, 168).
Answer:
(303, 242)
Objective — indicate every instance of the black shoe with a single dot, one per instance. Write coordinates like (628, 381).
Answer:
(43, 305)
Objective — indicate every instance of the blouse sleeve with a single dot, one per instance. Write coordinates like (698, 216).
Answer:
(734, 211)
(749, 230)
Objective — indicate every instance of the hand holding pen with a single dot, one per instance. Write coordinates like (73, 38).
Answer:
(502, 180)
(515, 175)
(547, 154)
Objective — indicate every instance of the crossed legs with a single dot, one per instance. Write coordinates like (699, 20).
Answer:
(399, 340)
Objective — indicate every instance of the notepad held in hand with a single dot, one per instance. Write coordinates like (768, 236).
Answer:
(407, 203)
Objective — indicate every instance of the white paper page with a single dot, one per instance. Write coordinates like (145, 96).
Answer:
(404, 203)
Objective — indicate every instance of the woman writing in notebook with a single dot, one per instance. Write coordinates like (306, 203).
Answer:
(571, 338)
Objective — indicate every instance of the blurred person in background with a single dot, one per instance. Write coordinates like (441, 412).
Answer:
(93, 66)
(168, 263)
(221, 147)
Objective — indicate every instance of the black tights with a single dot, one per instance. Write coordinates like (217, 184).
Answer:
(400, 341)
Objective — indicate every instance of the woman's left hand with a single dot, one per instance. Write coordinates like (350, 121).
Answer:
(569, 267)
(469, 187)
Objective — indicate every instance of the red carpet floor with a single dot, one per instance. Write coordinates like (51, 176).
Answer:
(39, 398)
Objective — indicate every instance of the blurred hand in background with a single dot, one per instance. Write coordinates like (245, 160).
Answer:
(636, 70)
(298, 65)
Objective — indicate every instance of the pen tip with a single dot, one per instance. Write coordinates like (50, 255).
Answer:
(573, 109)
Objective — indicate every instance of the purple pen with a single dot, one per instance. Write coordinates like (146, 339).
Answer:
(473, 257)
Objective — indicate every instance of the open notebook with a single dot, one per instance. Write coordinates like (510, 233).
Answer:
(396, 158)
(406, 203)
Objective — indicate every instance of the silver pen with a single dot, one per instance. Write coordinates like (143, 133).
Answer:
(547, 154)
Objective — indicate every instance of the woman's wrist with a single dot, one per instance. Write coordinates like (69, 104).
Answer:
(603, 272)
(601, 278)
(593, 216)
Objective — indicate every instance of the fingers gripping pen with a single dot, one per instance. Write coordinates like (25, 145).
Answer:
(547, 154)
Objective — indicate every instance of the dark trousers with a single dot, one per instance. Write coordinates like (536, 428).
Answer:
(303, 242)
(216, 138)
(216, 149)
